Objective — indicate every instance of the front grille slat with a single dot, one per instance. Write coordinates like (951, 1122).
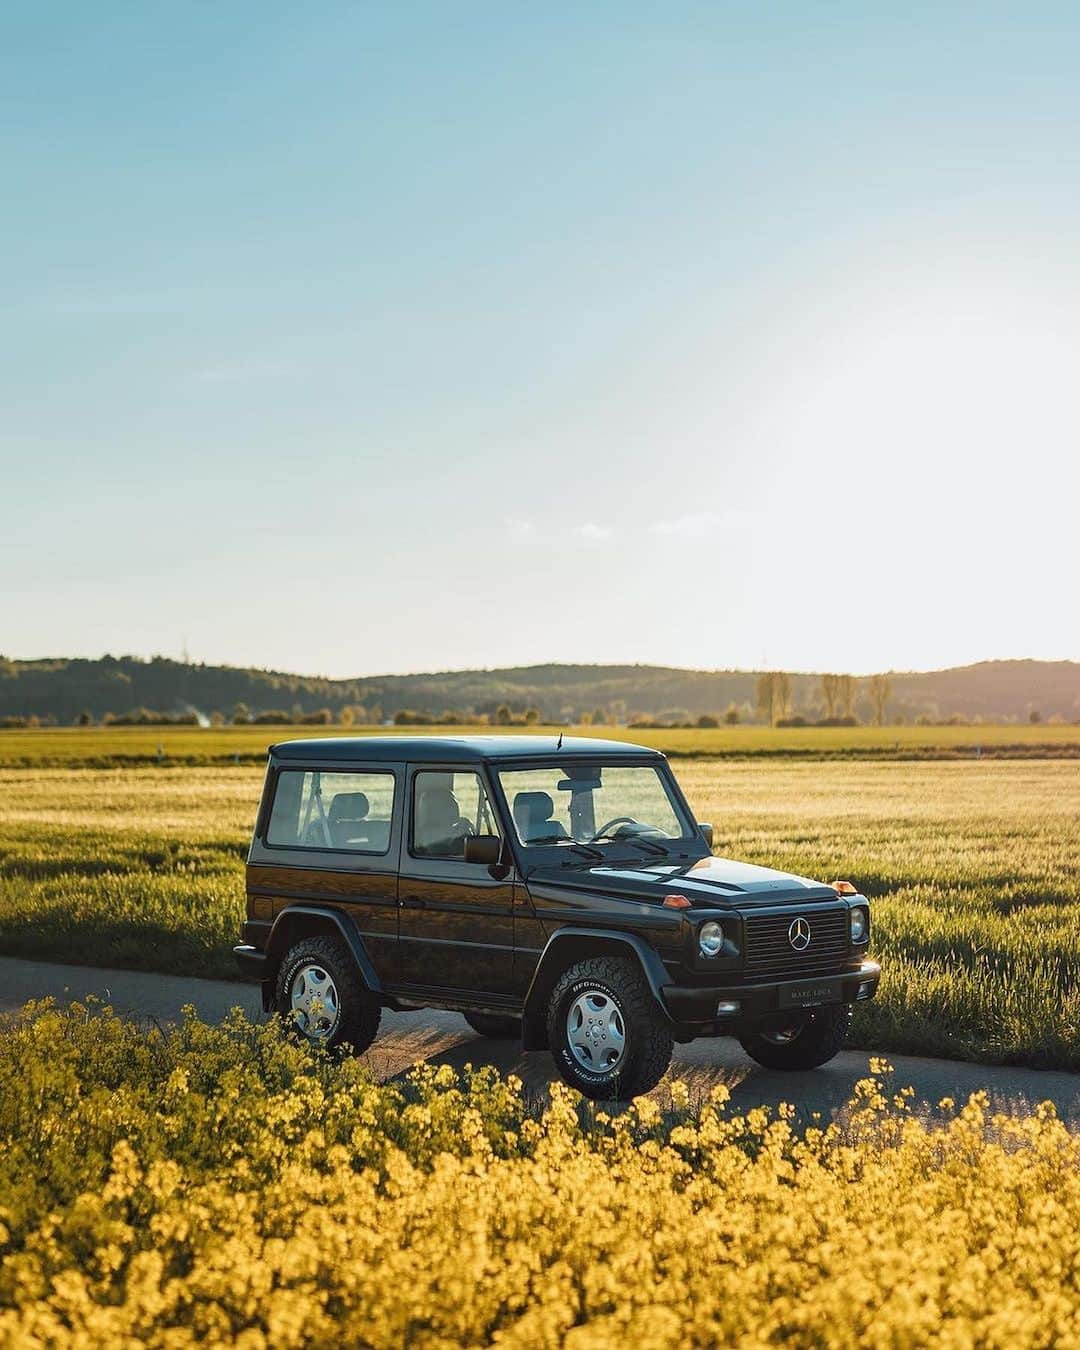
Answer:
(769, 950)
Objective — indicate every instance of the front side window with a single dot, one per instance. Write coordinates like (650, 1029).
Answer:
(592, 803)
(347, 811)
(447, 808)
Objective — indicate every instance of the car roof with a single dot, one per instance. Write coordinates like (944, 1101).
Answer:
(454, 749)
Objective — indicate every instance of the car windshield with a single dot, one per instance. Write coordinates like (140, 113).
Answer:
(593, 803)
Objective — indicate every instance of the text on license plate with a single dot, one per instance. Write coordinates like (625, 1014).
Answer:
(810, 995)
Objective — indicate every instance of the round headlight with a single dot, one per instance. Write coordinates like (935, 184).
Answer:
(711, 939)
(859, 924)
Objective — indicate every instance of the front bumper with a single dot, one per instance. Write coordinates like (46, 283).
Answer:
(710, 1009)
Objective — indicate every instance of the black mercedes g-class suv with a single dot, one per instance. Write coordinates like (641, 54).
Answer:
(559, 891)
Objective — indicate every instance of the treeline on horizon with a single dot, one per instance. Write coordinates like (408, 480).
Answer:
(129, 690)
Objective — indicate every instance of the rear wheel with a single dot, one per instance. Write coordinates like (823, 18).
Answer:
(806, 1041)
(320, 994)
(499, 1028)
(607, 1035)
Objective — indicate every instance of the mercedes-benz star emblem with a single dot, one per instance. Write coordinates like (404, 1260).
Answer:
(798, 934)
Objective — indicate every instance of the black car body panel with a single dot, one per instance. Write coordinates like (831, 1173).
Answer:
(442, 931)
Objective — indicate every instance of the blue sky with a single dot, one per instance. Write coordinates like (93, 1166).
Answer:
(350, 338)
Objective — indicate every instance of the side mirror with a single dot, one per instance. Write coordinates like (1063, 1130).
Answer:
(483, 848)
(706, 833)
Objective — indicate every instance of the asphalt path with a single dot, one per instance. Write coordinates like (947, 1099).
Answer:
(406, 1039)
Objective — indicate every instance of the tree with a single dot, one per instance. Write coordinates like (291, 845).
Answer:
(848, 692)
(599, 717)
(502, 715)
(879, 688)
(348, 717)
(532, 716)
(707, 721)
(731, 716)
(830, 693)
(86, 719)
(773, 693)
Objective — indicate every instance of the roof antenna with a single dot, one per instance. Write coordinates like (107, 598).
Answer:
(559, 745)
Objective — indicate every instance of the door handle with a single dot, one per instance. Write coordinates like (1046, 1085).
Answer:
(413, 902)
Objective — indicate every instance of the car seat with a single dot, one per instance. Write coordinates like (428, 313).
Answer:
(532, 816)
(440, 828)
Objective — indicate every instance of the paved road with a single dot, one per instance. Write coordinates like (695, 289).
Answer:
(444, 1038)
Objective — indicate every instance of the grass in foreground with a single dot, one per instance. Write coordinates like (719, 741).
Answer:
(974, 869)
(225, 1184)
(104, 747)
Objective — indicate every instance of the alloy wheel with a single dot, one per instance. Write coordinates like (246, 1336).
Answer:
(313, 999)
(596, 1031)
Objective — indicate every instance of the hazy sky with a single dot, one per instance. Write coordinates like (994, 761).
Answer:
(354, 338)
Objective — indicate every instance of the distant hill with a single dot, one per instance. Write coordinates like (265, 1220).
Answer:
(66, 688)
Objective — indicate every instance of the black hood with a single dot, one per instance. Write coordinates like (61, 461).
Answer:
(706, 882)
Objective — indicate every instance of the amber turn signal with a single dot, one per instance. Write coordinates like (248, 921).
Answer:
(844, 888)
(676, 902)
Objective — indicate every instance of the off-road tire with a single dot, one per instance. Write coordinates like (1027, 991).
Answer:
(648, 1036)
(494, 1025)
(819, 1040)
(358, 1020)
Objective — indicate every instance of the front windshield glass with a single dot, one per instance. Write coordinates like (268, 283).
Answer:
(592, 803)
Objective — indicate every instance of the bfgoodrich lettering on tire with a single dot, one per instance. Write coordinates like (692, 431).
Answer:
(607, 1035)
(319, 992)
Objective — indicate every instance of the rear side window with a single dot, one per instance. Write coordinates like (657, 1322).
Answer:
(347, 811)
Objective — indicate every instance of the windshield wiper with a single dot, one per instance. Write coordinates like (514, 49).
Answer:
(650, 844)
(572, 845)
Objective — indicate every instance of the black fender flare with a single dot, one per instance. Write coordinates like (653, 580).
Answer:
(534, 1009)
(277, 943)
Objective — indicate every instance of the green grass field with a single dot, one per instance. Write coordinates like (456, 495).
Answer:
(106, 746)
(974, 867)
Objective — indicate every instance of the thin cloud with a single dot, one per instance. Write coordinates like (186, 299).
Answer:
(593, 533)
(700, 524)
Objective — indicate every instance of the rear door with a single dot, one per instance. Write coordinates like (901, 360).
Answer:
(456, 920)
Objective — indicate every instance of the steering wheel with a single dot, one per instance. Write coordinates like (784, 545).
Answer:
(615, 820)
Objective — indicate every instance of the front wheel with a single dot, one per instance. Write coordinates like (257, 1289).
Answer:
(805, 1041)
(606, 1033)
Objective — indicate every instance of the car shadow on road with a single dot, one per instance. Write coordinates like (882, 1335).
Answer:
(817, 1096)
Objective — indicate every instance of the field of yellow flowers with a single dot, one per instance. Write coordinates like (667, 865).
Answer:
(225, 1184)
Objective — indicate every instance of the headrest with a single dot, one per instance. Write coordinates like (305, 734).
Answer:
(348, 806)
(532, 808)
(437, 809)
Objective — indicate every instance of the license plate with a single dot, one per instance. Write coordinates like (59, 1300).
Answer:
(811, 995)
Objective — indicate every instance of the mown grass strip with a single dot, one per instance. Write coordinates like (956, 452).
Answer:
(111, 747)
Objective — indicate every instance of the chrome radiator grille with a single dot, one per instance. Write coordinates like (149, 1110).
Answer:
(769, 950)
